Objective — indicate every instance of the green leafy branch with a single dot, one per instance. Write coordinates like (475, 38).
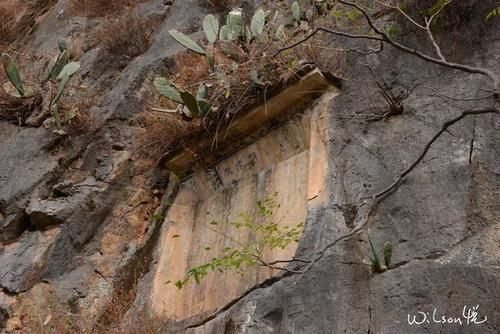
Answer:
(268, 236)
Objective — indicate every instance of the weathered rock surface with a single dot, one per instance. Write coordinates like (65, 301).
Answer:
(75, 219)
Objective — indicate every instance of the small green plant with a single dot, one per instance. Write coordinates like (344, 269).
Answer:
(267, 236)
(494, 13)
(234, 31)
(296, 12)
(13, 74)
(375, 263)
(59, 71)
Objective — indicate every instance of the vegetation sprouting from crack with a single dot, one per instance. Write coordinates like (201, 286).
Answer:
(266, 234)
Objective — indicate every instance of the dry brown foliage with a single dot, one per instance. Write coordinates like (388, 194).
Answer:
(160, 130)
(99, 8)
(8, 33)
(191, 69)
(127, 35)
(222, 5)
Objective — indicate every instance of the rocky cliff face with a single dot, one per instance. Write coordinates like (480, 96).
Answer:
(77, 241)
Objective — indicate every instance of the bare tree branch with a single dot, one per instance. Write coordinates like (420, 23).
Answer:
(443, 129)
(383, 36)
(329, 31)
(379, 196)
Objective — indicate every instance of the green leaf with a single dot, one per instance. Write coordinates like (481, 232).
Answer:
(248, 35)
(190, 101)
(163, 87)
(258, 22)
(235, 23)
(50, 69)
(437, 7)
(352, 15)
(280, 32)
(204, 107)
(254, 76)
(375, 261)
(230, 49)
(387, 254)
(172, 111)
(337, 13)
(179, 284)
(13, 74)
(309, 15)
(63, 46)
(210, 60)
(69, 70)
(392, 31)
(296, 11)
(55, 112)
(495, 12)
(225, 34)
(202, 92)
(62, 60)
(60, 87)
(211, 28)
(69, 115)
(186, 41)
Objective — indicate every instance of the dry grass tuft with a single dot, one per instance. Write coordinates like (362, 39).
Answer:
(8, 22)
(191, 69)
(222, 5)
(126, 36)
(161, 130)
(100, 8)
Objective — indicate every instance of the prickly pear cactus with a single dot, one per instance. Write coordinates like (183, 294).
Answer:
(13, 74)
(186, 41)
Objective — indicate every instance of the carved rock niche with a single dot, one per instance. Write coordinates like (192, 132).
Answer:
(275, 148)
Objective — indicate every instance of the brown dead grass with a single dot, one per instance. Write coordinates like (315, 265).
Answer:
(7, 24)
(191, 69)
(100, 8)
(222, 5)
(161, 130)
(19, 17)
(127, 35)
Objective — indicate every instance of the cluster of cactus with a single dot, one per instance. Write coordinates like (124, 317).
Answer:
(59, 70)
(194, 106)
(375, 263)
(321, 7)
(231, 35)
(233, 29)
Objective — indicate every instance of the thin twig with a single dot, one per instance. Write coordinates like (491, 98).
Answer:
(384, 36)
(443, 129)
(329, 31)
